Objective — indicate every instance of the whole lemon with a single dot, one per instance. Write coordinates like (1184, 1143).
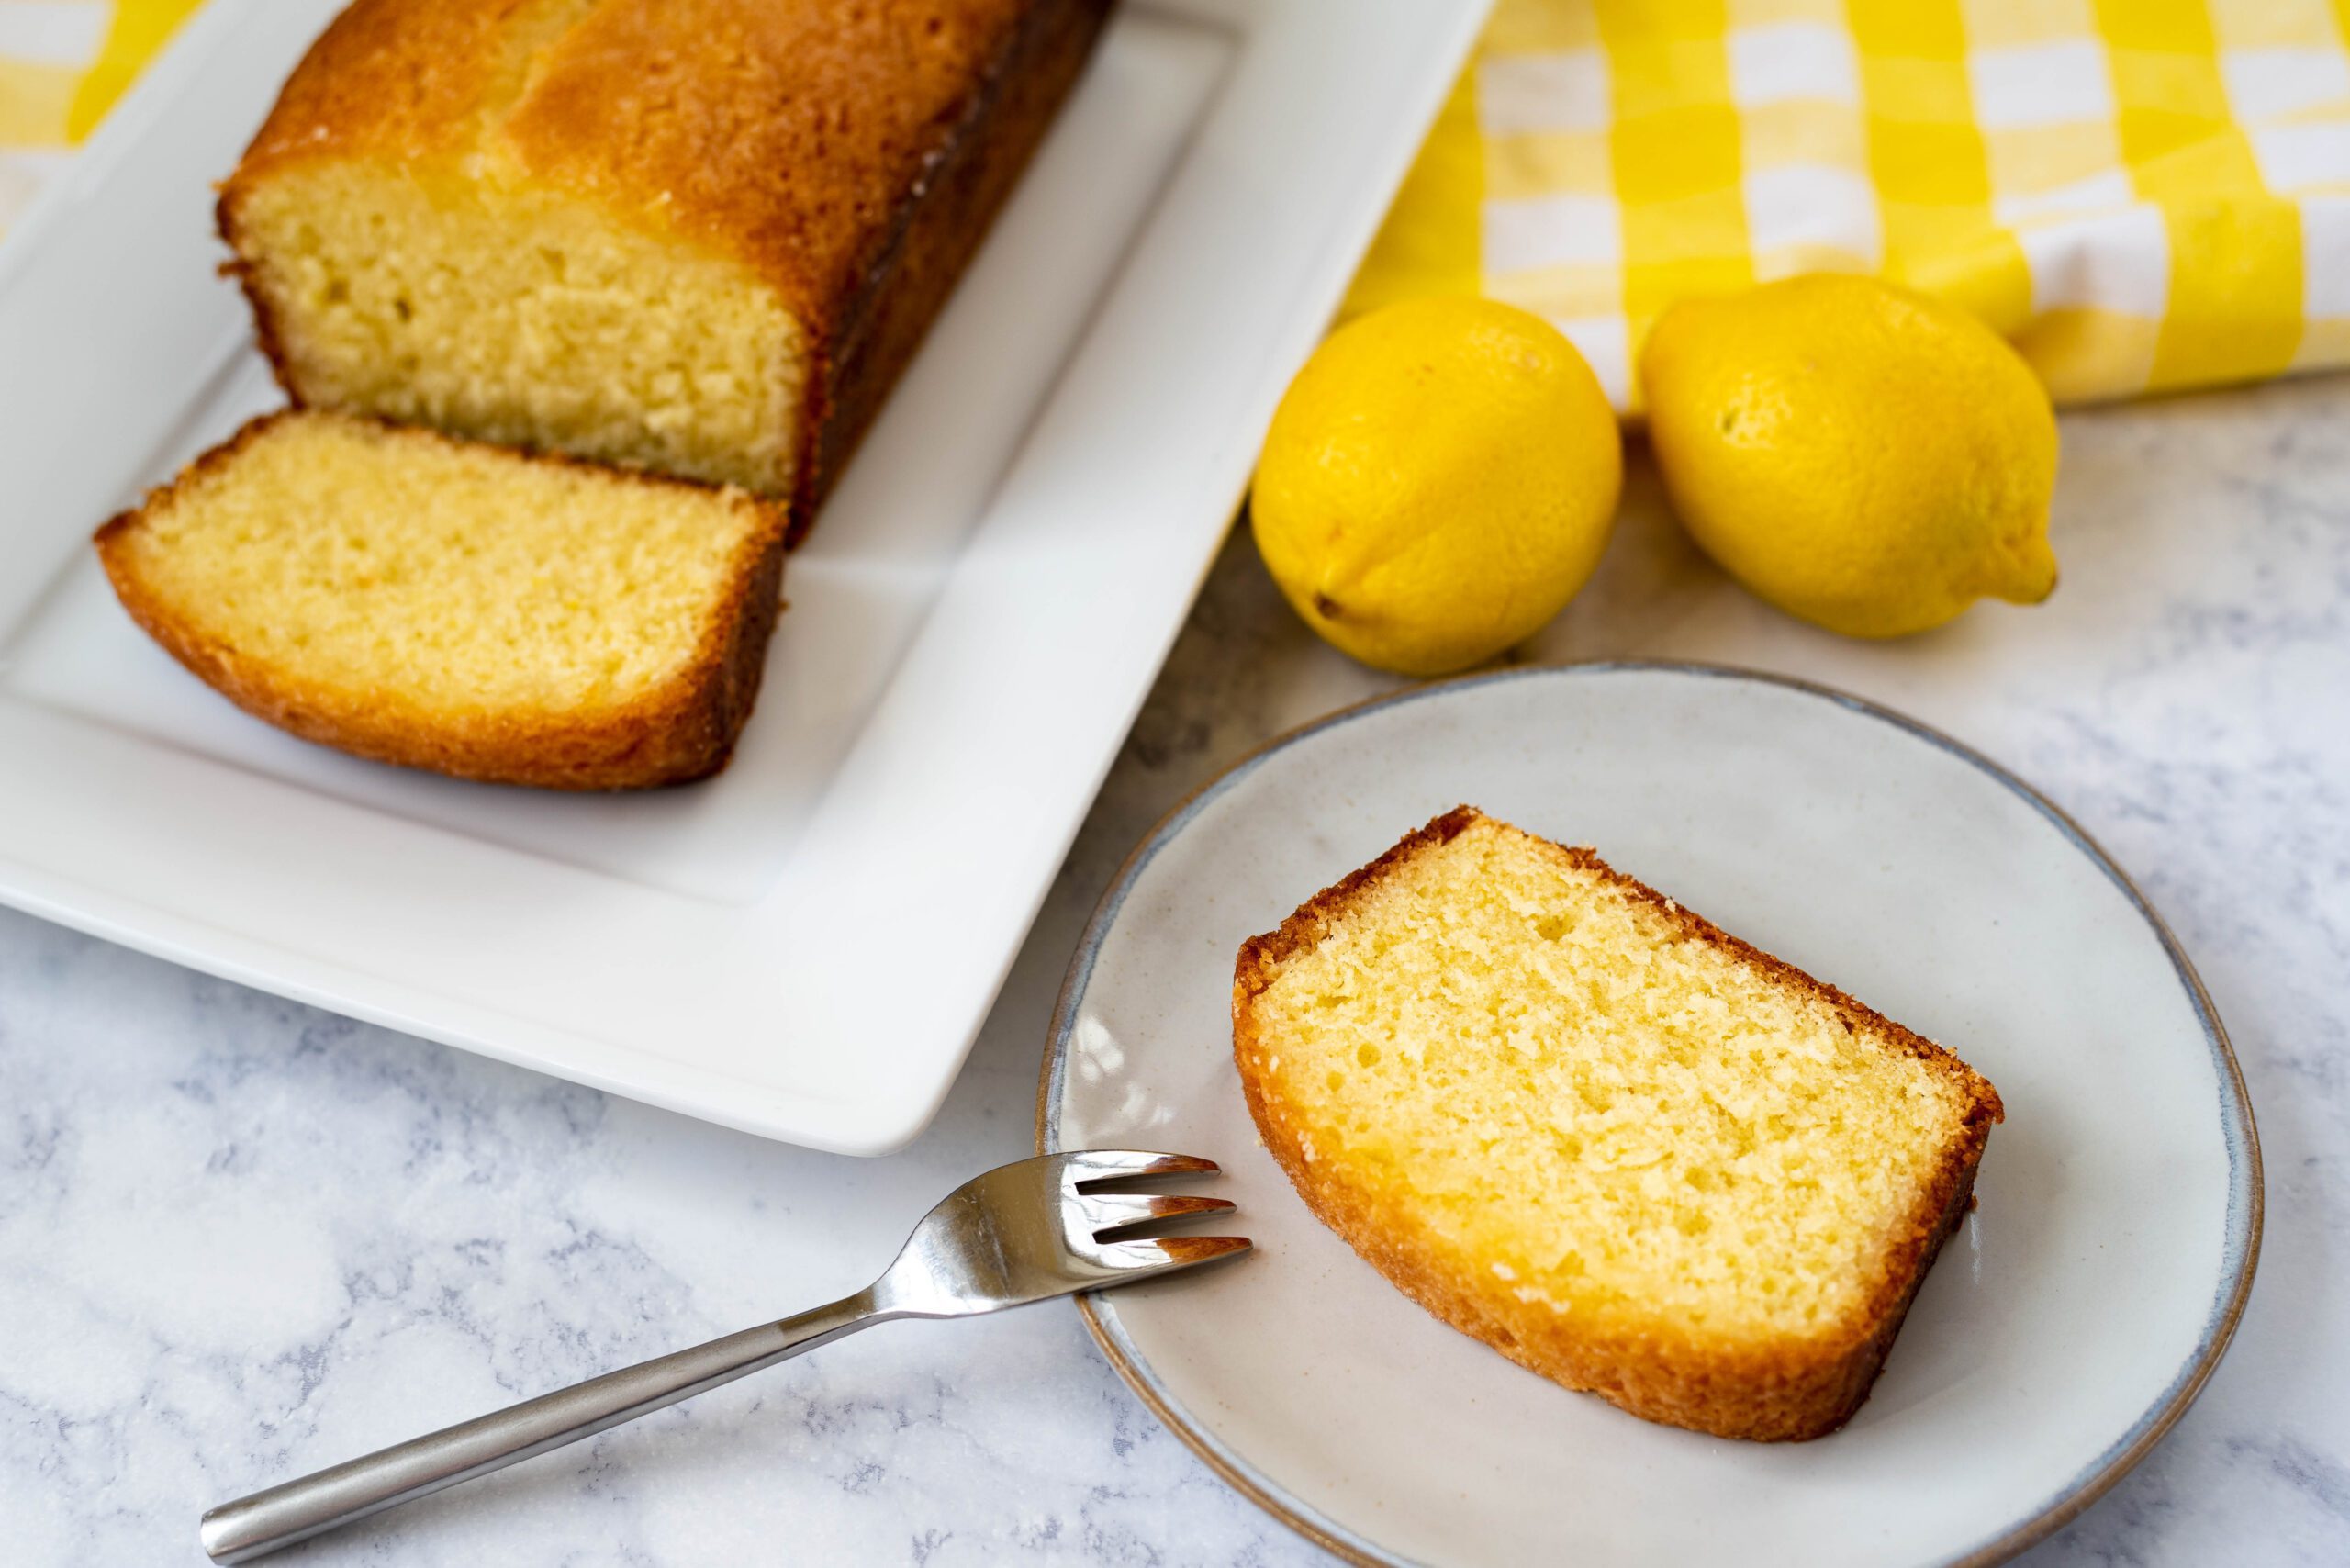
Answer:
(1866, 458)
(1438, 481)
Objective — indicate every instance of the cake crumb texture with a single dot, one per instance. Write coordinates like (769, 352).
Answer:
(700, 237)
(459, 606)
(1580, 1122)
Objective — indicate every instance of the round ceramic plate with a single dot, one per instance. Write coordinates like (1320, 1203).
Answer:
(2066, 1325)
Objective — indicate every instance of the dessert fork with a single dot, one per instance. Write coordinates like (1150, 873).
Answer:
(1025, 1232)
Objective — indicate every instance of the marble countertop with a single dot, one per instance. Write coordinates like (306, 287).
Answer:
(240, 1238)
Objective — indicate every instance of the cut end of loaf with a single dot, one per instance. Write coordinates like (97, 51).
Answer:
(458, 607)
(701, 239)
(1584, 1124)
(502, 311)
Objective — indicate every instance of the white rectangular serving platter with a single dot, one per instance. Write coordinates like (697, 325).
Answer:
(804, 946)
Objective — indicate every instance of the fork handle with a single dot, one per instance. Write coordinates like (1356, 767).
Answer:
(296, 1510)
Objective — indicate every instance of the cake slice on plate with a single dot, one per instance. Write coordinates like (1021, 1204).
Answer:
(1623, 1147)
(458, 607)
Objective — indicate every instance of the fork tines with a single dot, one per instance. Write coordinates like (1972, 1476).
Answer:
(1091, 1169)
(1118, 1220)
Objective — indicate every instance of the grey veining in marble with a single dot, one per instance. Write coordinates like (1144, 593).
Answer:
(240, 1237)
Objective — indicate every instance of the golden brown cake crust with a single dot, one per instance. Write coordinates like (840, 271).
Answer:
(1776, 1393)
(685, 731)
(851, 152)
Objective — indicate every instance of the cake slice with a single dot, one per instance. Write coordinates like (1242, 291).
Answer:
(1625, 1149)
(445, 605)
(700, 237)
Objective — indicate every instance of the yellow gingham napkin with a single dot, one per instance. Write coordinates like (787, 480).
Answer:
(62, 64)
(2141, 194)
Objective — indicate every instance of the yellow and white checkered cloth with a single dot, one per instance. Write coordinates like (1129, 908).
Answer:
(2141, 194)
(62, 64)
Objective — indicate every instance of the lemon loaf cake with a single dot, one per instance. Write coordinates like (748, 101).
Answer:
(697, 236)
(458, 607)
(1575, 1120)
